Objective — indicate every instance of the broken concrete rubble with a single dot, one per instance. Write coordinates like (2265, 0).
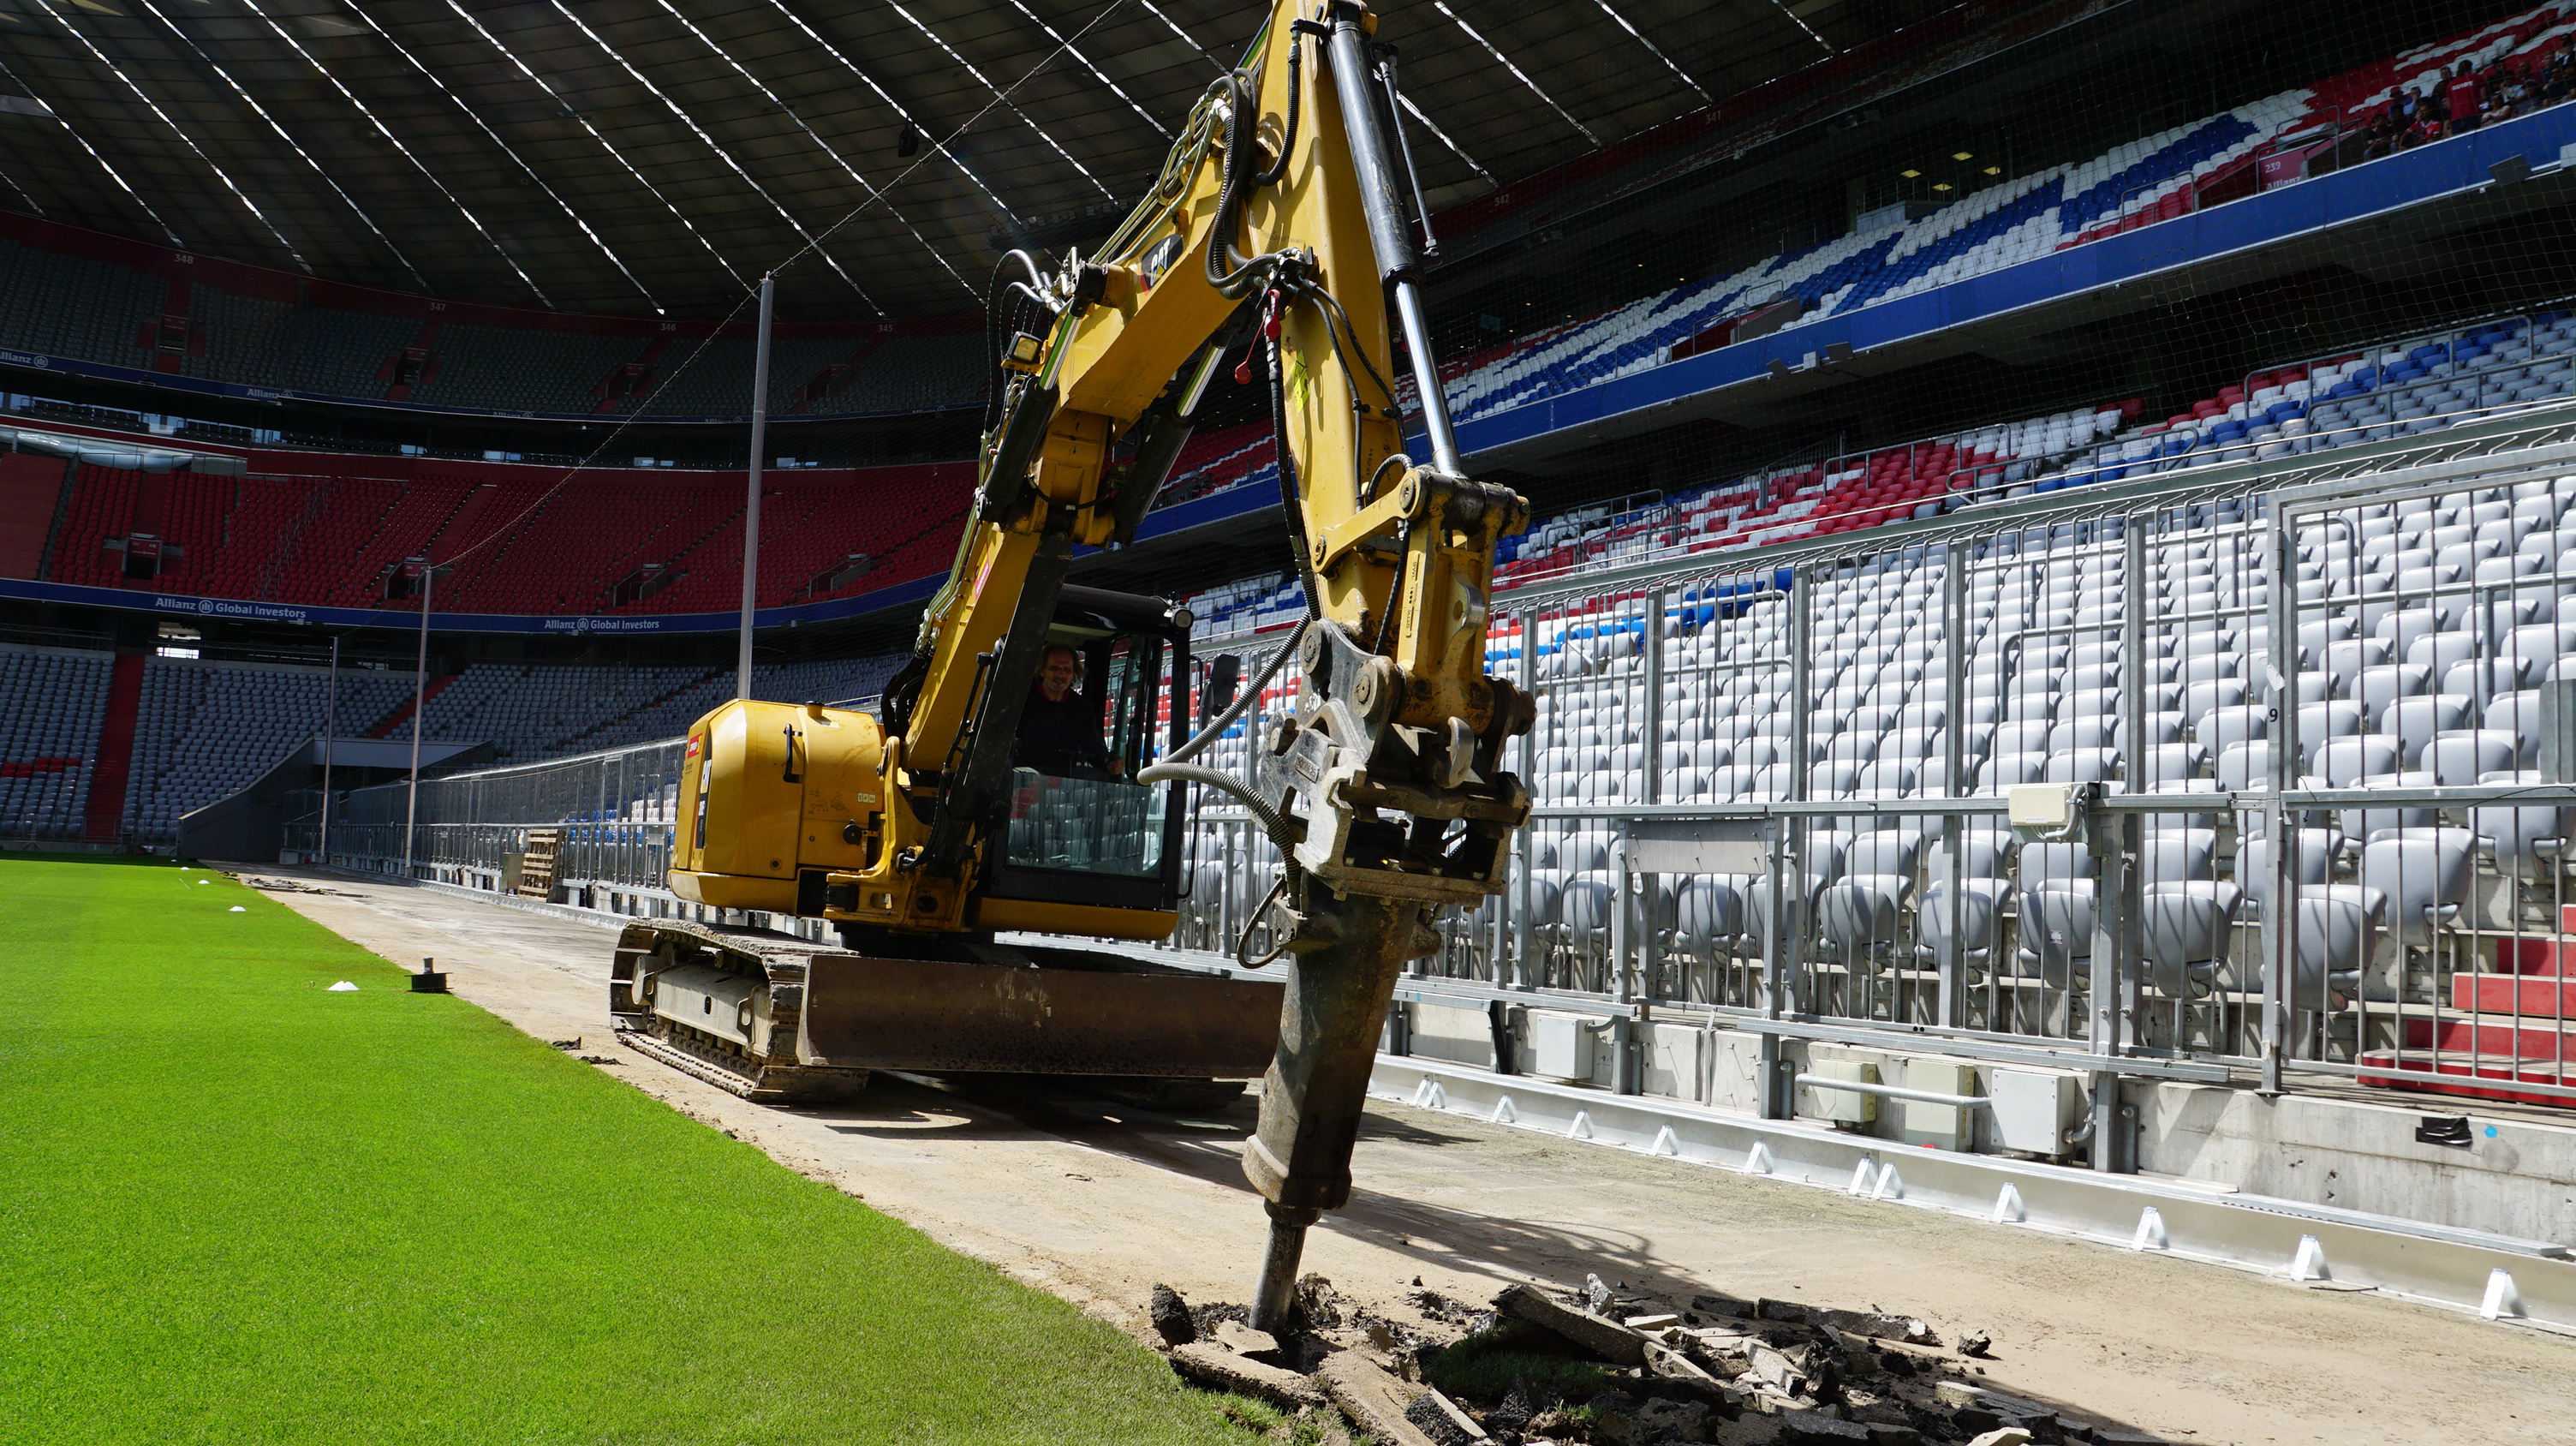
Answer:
(1440, 1419)
(1601, 1365)
(1243, 1340)
(1374, 1401)
(1613, 1341)
(1221, 1369)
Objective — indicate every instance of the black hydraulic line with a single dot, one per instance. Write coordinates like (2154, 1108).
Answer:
(1228, 270)
(1288, 140)
(1331, 305)
(1233, 274)
(994, 291)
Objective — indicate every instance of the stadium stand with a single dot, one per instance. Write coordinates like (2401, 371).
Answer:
(614, 540)
(2153, 178)
(67, 305)
(911, 373)
(51, 701)
(206, 730)
(2407, 386)
(514, 369)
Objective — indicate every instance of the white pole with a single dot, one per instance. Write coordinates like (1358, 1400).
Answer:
(751, 503)
(419, 694)
(330, 721)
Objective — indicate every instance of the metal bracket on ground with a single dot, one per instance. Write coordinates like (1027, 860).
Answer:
(2499, 1277)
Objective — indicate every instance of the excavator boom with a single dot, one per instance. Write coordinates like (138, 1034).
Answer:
(1275, 230)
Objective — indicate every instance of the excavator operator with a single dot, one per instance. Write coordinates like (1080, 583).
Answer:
(1060, 728)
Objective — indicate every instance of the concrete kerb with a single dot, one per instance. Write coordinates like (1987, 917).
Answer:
(2320, 1246)
(598, 918)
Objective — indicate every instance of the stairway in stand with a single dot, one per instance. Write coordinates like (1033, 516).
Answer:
(402, 714)
(106, 819)
(2516, 1025)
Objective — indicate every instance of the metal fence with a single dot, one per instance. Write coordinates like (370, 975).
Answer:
(1783, 807)
(2301, 708)
(615, 809)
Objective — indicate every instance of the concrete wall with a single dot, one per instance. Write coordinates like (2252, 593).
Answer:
(2514, 1178)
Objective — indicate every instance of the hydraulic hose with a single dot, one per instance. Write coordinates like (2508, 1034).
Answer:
(1233, 274)
(1250, 695)
(1272, 822)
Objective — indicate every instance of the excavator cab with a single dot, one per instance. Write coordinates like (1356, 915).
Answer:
(1085, 832)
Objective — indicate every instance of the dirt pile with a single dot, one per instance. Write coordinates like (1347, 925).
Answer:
(1601, 1365)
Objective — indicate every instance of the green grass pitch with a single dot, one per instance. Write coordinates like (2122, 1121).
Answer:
(236, 1207)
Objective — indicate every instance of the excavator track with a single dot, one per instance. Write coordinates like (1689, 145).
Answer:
(755, 1059)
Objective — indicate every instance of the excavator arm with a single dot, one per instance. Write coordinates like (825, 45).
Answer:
(1277, 226)
(1275, 233)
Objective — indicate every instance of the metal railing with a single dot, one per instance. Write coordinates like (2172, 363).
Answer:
(615, 810)
(1821, 720)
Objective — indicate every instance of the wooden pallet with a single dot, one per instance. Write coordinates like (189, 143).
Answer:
(537, 864)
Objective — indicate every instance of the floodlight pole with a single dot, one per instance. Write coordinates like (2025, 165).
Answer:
(419, 696)
(330, 721)
(751, 487)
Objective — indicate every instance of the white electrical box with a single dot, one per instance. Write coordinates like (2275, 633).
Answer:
(2033, 1110)
(1560, 1045)
(1943, 1127)
(2040, 808)
(1845, 1107)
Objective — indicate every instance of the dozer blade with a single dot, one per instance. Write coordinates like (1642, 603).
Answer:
(1072, 1014)
(780, 1019)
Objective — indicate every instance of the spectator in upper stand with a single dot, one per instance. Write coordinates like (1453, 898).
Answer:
(2504, 97)
(2460, 95)
(2554, 82)
(2379, 138)
(2424, 122)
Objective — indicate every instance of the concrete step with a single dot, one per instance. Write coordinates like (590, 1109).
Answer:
(2551, 997)
(2492, 1035)
(2536, 956)
(2452, 1074)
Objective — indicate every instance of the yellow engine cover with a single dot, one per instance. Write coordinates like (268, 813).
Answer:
(768, 789)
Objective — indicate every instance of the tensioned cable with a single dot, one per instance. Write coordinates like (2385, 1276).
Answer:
(577, 117)
(1096, 72)
(820, 144)
(938, 147)
(1000, 96)
(721, 154)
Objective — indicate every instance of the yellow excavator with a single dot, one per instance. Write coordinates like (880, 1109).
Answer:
(1276, 233)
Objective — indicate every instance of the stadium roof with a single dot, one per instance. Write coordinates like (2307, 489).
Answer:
(642, 156)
